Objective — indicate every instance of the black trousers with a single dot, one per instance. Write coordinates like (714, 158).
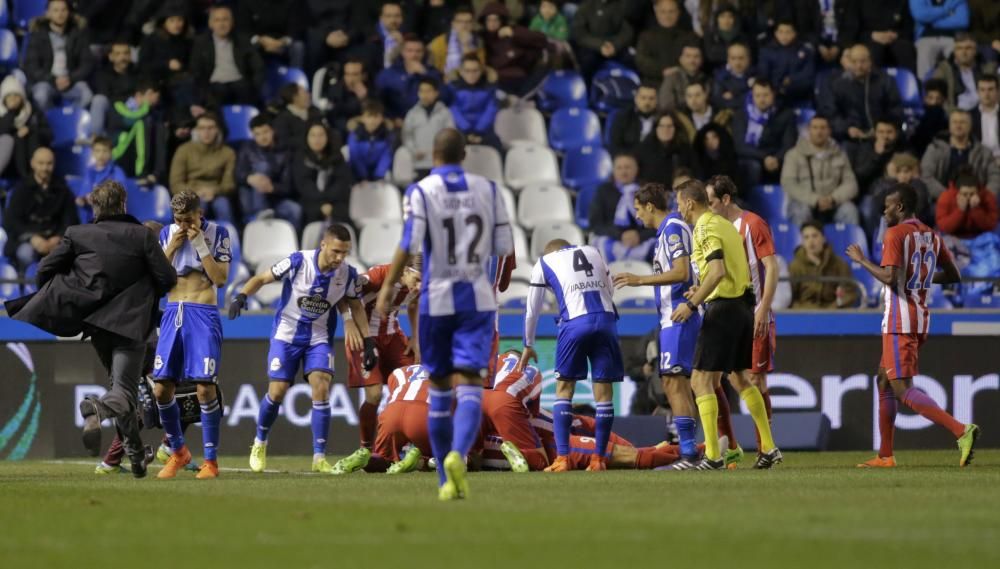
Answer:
(123, 359)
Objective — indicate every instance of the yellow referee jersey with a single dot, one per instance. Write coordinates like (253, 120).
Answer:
(714, 234)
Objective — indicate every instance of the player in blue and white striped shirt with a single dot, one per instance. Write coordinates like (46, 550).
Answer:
(672, 276)
(302, 335)
(457, 220)
(581, 282)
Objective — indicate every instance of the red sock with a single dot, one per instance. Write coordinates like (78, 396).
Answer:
(368, 417)
(115, 452)
(651, 457)
(725, 422)
(887, 408)
(922, 403)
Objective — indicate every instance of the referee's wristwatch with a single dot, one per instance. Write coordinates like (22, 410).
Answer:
(691, 305)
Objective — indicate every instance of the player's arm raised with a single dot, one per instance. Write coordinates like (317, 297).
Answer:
(216, 271)
(885, 275)
(677, 274)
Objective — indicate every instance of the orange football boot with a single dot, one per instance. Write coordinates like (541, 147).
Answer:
(879, 462)
(177, 461)
(209, 469)
(561, 464)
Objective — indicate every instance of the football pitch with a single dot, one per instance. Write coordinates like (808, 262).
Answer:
(816, 510)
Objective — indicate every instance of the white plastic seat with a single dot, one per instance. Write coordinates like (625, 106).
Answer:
(522, 272)
(378, 241)
(628, 266)
(267, 238)
(510, 204)
(520, 124)
(549, 230)
(521, 250)
(516, 291)
(403, 171)
(357, 264)
(313, 234)
(483, 160)
(270, 292)
(530, 164)
(374, 201)
(634, 293)
(537, 204)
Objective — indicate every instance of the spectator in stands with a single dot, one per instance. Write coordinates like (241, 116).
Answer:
(814, 259)
(275, 28)
(397, 85)
(861, 98)
(725, 31)
(818, 180)
(386, 44)
(57, 60)
(297, 111)
(715, 152)
(333, 27)
(790, 65)
(164, 55)
(474, 103)
(140, 134)
(106, 22)
(23, 129)
(660, 45)
(550, 21)
(513, 51)
(698, 112)
(41, 208)
(826, 25)
(600, 33)
(112, 83)
(944, 157)
(665, 150)
(966, 209)
(205, 165)
(322, 177)
(676, 79)
(346, 87)
(886, 27)
(984, 25)
(871, 156)
(435, 18)
(985, 119)
(423, 122)
(371, 144)
(100, 168)
(936, 22)
(264, 174)
(733, 82)
(934, 119)
(960, 72)
(762, 133)
(632, 126)
(903, 168)
(227, 70)
(447, 50)
(612, 214)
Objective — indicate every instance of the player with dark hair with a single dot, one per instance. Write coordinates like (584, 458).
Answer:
(725, 342)
(313, 283)
(672, 278)
(190, 344)
(911, 256)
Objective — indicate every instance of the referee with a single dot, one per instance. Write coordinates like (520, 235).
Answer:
(725, 342)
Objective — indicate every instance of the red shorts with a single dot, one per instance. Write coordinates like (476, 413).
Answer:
(507, 418)
(763, 351)
(402, 423)
(900, 353)
(391, 355)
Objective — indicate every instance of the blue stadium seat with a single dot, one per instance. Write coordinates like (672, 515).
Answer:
(906, 82)
(237, 118)
(3, 240)
(69, 124)
(786, 239)
(585, 166)
(613, 87)
(609, 120)
(8, 290)
(76, 186)
(29, 275)
(840, 235)
(8, 49)
(802, 117)
(980, 299)
(150, 204)
(873, 288)
(584, 196)
(4, 14)
(71, 160)
(562, 89)
(768, 202)
(26, 10)
(938, 299)
(279, 75)
(574, 127)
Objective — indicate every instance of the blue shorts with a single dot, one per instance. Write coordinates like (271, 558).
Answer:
(458, 342)
(677, 346)
(190, 343)
(593, 337)
(284, 359)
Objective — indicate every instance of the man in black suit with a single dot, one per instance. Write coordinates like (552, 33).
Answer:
(986, 115)
(104, 280)
(762, 132)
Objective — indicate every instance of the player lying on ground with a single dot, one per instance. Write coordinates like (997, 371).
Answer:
(403, 443)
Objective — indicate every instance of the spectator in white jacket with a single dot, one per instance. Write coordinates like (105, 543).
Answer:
(818, 179)
(423, 122)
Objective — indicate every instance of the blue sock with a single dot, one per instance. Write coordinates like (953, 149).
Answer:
(320, 425)
(685, 432)
(266, 416)
(468, 414)
(170, 418)
(211, 418)
(562, 420)
(439, 427)
(605, 419)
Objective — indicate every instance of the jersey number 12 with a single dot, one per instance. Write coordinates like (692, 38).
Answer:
(472, 257)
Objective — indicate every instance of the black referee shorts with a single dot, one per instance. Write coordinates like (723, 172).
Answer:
(725, 342)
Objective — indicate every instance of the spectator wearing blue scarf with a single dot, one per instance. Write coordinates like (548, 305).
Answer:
(619, 233)
(762, 133)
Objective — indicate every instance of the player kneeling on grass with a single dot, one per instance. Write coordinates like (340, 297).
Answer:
(403, 443)
(302, 335)
(507, 412)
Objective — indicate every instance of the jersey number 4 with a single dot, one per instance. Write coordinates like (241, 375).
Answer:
(472, 257)
(581, 264)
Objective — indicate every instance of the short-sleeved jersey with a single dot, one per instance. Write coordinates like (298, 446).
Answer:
(410, 383)
(580, 280)
(524, 386)
(457, 221)
(369, 284)
(914, 249)
(673, 242)
(715, 237)
(758, 244)
(186, 259)
(308, 297)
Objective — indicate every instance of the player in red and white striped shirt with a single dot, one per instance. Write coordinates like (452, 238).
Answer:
(507, 412)
(403, 422)
(911, 255)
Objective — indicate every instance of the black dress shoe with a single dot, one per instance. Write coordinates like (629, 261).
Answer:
(91, 426)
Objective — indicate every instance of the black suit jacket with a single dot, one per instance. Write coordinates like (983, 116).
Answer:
(248, 60)
(106, 276)
(977, 124)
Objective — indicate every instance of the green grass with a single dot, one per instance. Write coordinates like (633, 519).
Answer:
(816, 510)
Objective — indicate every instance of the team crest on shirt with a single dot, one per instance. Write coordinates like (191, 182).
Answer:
(275, 364)
(314, 305)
